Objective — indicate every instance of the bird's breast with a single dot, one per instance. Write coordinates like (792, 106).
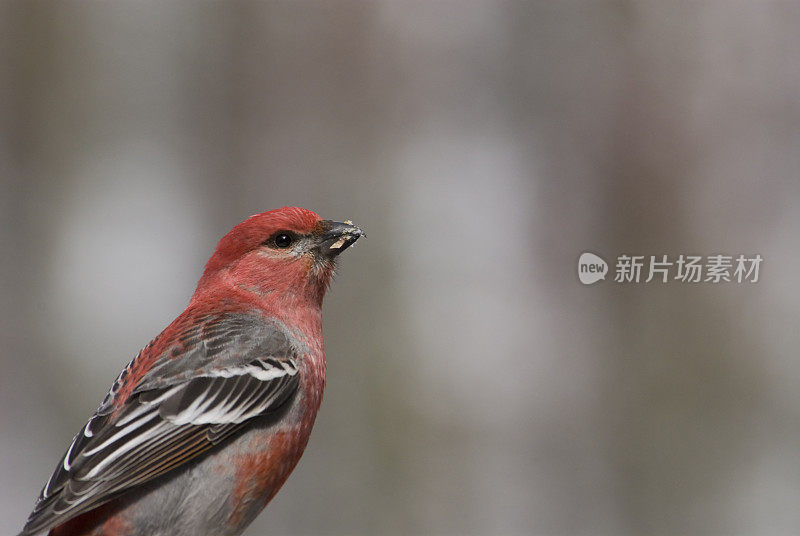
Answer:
(263, 458)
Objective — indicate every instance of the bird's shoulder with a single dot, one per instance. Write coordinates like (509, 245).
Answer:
(199, 342)
(189, 389)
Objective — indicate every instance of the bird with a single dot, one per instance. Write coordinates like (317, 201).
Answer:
(202, 428)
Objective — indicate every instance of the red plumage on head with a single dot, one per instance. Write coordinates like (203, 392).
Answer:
(291, 218)
(255, 230)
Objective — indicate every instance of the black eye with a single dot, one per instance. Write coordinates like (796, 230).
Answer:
(283, 240)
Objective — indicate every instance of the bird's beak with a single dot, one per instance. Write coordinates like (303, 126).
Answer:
(336, 237)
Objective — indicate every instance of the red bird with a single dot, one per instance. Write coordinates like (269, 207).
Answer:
(203, 427)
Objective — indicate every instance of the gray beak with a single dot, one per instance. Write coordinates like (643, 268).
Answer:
(336, 237)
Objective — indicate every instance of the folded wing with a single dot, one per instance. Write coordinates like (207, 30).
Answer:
(239, 367)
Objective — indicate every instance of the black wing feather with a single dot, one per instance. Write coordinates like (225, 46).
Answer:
(240, 367)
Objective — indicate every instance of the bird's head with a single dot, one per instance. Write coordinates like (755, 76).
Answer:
(286, 254)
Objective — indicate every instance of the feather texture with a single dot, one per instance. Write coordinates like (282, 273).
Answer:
(218, 373)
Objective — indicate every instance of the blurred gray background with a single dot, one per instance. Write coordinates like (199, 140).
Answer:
(475, 386)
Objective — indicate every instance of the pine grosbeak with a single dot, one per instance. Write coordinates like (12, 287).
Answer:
(203, 427)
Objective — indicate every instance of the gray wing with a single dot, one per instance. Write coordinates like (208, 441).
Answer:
(222, 372)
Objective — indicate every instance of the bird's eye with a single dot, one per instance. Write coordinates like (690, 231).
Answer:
(283, 240)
